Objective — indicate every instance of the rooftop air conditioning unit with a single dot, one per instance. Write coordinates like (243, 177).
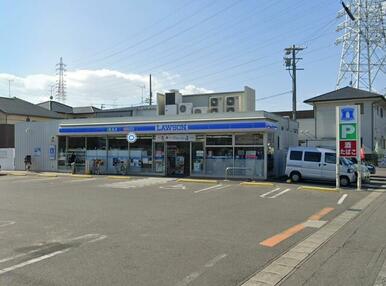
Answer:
(216, 104)
(171, 109)
(185, 108)
(173, 97)
(232, 104)
(200, 110)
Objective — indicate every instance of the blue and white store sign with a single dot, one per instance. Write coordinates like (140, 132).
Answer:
(167, 128)
(131, 137)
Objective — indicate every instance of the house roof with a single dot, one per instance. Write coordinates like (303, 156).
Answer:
(17, 106)
(85, 109)
(300, 114)
(56, 106)
(345, 93)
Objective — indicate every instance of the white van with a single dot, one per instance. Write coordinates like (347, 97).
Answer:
(318, 164)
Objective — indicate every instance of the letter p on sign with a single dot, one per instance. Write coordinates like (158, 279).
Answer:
(348, 131)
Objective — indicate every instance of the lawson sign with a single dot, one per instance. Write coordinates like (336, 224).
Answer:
(228, 126)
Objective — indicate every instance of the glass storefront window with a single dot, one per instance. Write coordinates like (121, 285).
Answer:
(249, 162)
(76, 143)
(217, 160)
(77, 147)
(197, 158)
(62, 152)
(249, 139)
(219, 140)
(159, 157)
(141, 156)
(96, 155)
(117, 155)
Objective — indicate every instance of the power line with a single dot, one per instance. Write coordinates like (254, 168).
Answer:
(274, 95)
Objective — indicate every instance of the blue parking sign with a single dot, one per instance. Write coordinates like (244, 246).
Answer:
(348, 114)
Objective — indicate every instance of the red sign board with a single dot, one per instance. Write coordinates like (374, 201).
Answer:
(348, 148)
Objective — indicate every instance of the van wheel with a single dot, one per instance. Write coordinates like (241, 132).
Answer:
(295, 177)
(344, 181)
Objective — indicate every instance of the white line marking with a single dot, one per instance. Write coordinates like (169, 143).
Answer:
(270, 192)
(342, 199)
(102, 237)
(31, 261)
(208, 188)
(6, 223)
(212, 262)
(223, 187)
(381, 278)
(279, 194)
(192, 276)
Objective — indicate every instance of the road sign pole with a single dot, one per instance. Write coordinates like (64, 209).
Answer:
(337, 172)
(359, 182)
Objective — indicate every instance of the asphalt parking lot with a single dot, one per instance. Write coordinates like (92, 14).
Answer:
(151, 231)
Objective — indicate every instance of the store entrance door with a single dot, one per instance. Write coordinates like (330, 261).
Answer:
(178, 159)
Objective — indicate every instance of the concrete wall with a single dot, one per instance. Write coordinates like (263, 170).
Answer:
(32, 135)
(7, 158)
(306, 128)
(380, 128)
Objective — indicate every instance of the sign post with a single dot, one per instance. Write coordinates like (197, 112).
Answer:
(348, 138)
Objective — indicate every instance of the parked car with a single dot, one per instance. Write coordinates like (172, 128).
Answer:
(371, 168)
(318, 164)
(364, 167)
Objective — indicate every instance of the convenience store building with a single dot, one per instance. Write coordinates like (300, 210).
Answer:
(174, 142)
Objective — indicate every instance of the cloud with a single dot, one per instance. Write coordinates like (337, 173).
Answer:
(93, 87)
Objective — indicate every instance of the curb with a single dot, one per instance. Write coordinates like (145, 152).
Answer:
(81, 176)
(17, 174)
(118, 177)
(262, 184)
(197, 181)
(48, 175)
(321, 189)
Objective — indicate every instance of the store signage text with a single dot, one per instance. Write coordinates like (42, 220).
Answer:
(171, 127)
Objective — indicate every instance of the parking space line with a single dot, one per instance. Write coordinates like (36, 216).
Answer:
(341, 200)
(194, 275)
(279, 194)
(79, 180)
(276, 239)
(208, 188)
(34, 260)
(270, 192)
(6, 223)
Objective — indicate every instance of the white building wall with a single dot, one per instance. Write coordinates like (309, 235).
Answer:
(32, 135)
(7, 158)
(325, 116)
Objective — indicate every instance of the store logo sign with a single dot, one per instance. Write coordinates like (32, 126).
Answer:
(171, 127)
(348, 114)
(131, 137)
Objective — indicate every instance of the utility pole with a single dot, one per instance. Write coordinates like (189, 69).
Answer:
(151, 92)
(291, 61)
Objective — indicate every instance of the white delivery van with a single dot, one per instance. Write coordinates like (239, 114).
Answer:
(318, 164)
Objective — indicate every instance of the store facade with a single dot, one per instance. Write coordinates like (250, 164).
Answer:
(240, 145)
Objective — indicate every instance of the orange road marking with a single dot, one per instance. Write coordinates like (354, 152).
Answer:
(276, 239)
(321, 214)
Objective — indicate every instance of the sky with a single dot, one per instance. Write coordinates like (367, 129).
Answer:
(111, 46)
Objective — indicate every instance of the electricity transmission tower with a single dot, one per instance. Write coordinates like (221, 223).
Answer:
(60, 82)
(363, 55)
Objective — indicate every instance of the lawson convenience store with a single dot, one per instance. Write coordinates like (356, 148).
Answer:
(210, 145)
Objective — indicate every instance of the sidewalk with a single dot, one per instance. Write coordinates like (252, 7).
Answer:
(355, 256)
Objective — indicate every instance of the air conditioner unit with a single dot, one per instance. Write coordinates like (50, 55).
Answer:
(185, 108)
(232, 104)
(200, 110)
(171, 109)
(216, 104)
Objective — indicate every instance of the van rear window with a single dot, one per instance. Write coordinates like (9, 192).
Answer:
(296, 155)
(312, 156)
